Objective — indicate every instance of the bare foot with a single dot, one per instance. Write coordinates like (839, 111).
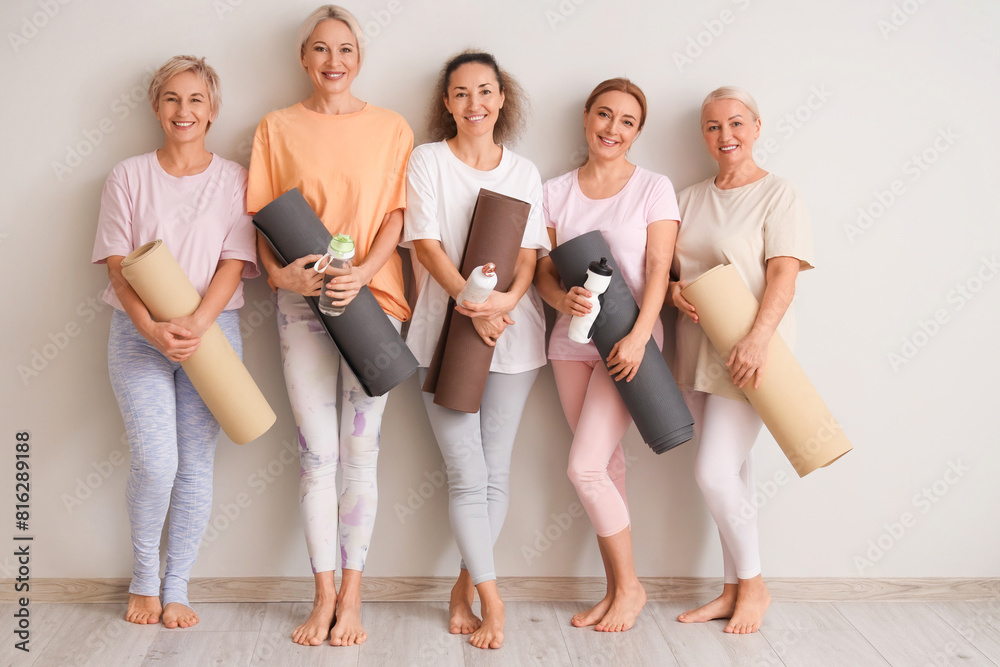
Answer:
(490, 633)
(177, 615)
(317, 627)
(752, 600)
(143, 609)
(625, 607)
(595, 613)
(348, 631)
(721, 607)
(462, 620)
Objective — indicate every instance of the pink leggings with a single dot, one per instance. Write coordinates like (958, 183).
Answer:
(598, 418)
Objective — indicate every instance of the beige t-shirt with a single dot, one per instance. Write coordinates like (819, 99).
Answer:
(744, 226)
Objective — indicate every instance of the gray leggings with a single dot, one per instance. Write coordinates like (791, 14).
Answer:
(476, 448)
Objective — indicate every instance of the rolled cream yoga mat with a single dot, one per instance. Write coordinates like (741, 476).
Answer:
(215, 369)
(461, 363)
(786, 401)
(368, 341)
(652, 397)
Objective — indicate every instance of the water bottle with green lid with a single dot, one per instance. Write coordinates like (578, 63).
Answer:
(338, 257)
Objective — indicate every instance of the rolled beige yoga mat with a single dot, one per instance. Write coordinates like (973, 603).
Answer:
(786, 401)
(215, 369)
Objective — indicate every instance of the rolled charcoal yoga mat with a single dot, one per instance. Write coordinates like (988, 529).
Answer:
(366, 338)
(214, 369)
(786, 401)
(461, 363)
(652, 397)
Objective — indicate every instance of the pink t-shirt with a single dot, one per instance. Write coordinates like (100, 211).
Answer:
(202, 219)
(622, 218)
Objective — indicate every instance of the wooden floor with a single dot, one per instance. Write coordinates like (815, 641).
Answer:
(813, 634)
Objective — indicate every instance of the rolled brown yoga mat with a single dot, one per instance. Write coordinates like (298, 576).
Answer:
(367, 340)
(461, 363)
(652, 397)
(214, 369)
(786, 401)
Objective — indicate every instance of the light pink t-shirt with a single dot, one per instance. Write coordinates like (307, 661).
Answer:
(622, 218)
(202, 219)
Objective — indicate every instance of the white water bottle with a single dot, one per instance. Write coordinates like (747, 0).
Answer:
(479, 286)
(598, 279)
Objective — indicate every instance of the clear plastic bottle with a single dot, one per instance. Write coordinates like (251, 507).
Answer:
(339, 257)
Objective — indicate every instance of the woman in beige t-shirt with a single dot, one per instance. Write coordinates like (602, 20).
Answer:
(756, 221)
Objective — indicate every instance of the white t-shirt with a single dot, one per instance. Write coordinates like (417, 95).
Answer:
(441, 193)
(744, 226)
(622, 218)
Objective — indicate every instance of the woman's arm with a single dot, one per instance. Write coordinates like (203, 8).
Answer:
(343, 288)
(294, 277)
(573, 302)
(626, 355)
(174, 341)
(432, 256)
(749, 355)
(224, 283)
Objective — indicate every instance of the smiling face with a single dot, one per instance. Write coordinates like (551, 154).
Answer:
(183, 108)
(331, 58)
(730, 131)
(612, 124)
(474, 99)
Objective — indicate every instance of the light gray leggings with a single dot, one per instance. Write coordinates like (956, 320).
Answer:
(171, 437)
(476, 448)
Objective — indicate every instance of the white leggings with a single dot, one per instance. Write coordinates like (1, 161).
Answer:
(726, 431)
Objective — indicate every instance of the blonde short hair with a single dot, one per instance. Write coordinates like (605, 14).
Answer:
(332, 13)
(733, 93)
(179, 65)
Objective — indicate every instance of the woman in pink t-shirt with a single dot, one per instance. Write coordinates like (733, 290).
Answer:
(196, 202)
(636, 211)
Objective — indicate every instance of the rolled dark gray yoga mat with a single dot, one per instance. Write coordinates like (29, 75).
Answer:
(368, 341)
(652, 397)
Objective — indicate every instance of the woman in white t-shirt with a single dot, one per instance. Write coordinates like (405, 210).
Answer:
(636, 211)
(756, 221)
(477, 108)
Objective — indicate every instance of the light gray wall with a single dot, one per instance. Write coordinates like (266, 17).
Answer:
(852, 94)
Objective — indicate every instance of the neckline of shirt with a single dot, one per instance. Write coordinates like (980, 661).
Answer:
(481, 173)
(343, 116)
(743, 188)
(579, 191)
(212, 166)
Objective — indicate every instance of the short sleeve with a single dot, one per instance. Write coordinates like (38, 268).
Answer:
(662, 202)
(420, 218)
(404, 147)
(545, 207)
(535, 234)
(114, 223)
(240, 242)
(787, 232)
(260, 188)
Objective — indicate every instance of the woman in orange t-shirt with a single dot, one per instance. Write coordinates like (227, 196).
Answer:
(348, 158)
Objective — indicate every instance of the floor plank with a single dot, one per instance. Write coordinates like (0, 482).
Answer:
(98, 634)
(409, 633)
(180, 648)
(45, 621)
(697, 644)
(910, 633)
(644, 644)
(979, 622)
(229, 617)
(531, 637)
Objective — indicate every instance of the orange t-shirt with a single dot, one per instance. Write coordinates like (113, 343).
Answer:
(351, 168)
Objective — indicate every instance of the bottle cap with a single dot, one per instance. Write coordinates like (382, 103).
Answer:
(489, 269)
(342, 246)
(601, 268)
